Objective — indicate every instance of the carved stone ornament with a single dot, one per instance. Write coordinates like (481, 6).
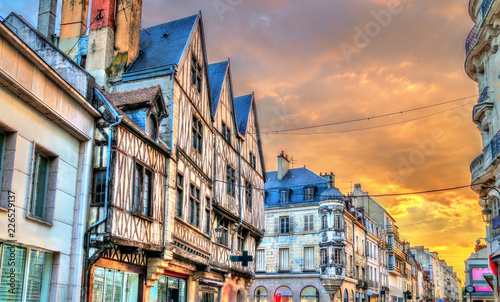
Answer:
(338, 270)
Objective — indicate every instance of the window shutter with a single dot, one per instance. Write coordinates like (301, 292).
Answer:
(311, 222)
(291, 225)
(306, 223)
(276, 226)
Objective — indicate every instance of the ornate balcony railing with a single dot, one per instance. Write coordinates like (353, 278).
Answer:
(476, 166)
(485, 7)
(484, 95)
(471, 40)
(495, 145)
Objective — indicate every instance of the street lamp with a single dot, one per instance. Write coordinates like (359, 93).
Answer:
(486, 213)
(484, 195)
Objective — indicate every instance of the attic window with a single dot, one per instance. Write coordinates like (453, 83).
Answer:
(309, 193)
(226, 133)
(152, 127)
(284, 195)
(196, 74)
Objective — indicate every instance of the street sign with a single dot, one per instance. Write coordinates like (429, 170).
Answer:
(244, 258)
(470, 289)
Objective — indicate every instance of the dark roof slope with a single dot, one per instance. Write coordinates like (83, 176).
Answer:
(164, 44)
(216, 74)
(294, 177)
(242, 106)
(134, 97)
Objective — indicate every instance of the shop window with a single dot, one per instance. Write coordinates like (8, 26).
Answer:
(170, 289)
(309, 294)
(32, 270)
(283, 294)
(114, 285)
(260, 294)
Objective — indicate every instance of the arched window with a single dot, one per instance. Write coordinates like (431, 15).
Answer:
(260, 294)
(309, 294)
(346, 295)
(283, 294)
(352, 296)
(227, 294)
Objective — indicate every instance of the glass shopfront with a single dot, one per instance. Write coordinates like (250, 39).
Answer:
(168, 289)
(114, 285)
(208, 293)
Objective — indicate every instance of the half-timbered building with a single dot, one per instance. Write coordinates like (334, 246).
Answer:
(203, 165)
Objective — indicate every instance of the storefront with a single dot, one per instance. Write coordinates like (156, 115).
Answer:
(170, 288)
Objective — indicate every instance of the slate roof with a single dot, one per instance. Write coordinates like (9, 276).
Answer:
(294, 177)
(332, 194)
(163, 44)
(242, 106)
(134, 97)
(216, 73)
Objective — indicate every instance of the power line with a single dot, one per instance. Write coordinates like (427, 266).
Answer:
(366, 118)
(380, 126)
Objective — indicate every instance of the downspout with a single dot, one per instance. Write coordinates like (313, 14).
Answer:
(107, 175)
(239, 198)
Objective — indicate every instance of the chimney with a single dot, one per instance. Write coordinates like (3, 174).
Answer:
(100, 48)
(127, 36)
(283, 165)
(331, 179)
(47, 18)
(73, 25)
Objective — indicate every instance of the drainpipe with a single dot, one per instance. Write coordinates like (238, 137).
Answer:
(118, 120)
(107, 174)
(239, 198)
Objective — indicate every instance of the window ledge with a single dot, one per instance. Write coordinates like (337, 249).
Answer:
(39, 220)
(311, 270)
(142, 216)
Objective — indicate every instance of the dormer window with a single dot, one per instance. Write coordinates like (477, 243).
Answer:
(309, 193)
(152, 127)
(196, 74)
(284, 195)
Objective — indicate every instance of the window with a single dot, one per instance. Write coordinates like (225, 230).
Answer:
(196, 74)
(309, 193)
(248, 194)
(308, 258)
(309, 294)
(114, 285)
(226, 133)
(207, 217)
(99, 187)
(32, 272)
(337, 256)
(194, 206)
(338, 222)
(308, 223)
(180, 197)
(261, 261)
(324, 257)
(223, 237)
(152, 127)
(284, 261)
(143, 190)
(3, 139)
(283, 294)
(197, 130)
(231, 180)
(260, 294)
(253, 160)
(240, 241)
(42, 180)
(284, 225)
(284, 195)
(324, 222)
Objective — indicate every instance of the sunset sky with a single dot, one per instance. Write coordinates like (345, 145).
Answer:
(323, 61)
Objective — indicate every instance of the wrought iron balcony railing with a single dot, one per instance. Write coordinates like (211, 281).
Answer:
(471, 40)
(484, 95)
(485, 7)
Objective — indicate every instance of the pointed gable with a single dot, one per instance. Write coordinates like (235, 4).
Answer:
(161, 47)
(243, 105)
(217, 73)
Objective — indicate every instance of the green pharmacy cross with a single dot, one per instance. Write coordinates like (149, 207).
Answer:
(244, 258)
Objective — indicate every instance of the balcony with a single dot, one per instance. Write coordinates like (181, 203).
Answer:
(485, 7)
(372, 284)
(471, 40)
(394, 269)
(490, 153)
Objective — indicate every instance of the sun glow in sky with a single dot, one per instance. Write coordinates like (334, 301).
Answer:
(320, 62)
